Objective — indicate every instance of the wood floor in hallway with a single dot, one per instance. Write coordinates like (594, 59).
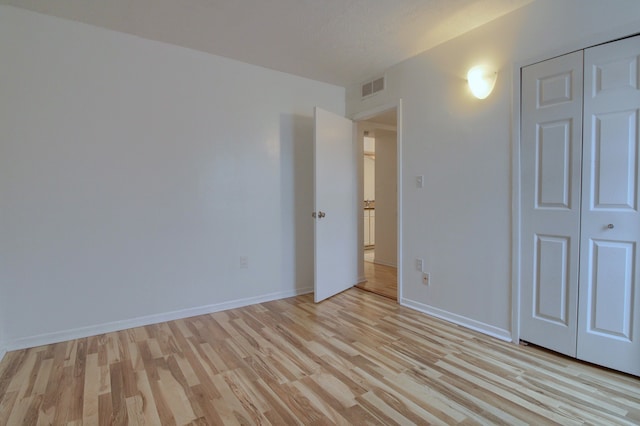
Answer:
(356, 358)
(381, 279)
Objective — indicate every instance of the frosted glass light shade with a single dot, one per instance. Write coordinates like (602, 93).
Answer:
(481, 81)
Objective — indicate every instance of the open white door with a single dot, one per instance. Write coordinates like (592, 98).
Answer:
(335, 205)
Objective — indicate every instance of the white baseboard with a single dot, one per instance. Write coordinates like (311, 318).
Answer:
(383, 263)
(472, 324)
(78, 333)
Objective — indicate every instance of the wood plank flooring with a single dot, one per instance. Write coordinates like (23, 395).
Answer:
(381, 279)
(356, 358)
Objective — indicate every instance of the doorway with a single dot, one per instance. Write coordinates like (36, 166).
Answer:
(378, 137)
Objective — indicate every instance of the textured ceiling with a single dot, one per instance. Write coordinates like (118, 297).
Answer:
(336, 41)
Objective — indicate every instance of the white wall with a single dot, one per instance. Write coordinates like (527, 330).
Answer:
(386, 198)
(134, 174)
(460, 223)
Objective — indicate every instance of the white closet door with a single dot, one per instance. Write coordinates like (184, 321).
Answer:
(551, 145)
(609, 313)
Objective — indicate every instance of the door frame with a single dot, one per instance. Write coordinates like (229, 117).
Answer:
(365, 115)
(516, 110)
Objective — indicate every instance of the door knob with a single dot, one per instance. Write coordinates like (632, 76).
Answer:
(321, 214)
(313, 215)
(610, 226)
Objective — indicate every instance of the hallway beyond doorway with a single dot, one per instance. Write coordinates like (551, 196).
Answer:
(380, 279)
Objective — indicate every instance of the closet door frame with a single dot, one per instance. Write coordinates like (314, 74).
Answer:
(516, 104)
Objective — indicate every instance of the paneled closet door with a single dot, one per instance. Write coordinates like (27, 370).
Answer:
(609, 290)
(551, 147)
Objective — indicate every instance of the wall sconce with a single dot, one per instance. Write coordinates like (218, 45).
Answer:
(481, 81)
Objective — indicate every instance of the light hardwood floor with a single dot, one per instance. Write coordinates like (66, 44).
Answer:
(356, 358)
(381, 279)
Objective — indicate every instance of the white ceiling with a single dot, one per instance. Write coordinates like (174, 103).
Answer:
(336, 41)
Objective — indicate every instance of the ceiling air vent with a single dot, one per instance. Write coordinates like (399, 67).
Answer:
(372, 87)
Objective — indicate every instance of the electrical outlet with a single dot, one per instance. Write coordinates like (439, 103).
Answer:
(244, 262)
(419, 264)
(426, 278)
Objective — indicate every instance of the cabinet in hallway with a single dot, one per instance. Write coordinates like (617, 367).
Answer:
(369, 227)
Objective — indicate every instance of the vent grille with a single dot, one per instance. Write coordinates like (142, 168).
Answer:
(372, 87)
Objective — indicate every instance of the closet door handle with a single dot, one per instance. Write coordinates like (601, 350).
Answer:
(610, 226)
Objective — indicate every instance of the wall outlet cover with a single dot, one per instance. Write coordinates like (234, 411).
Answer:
(425, 278)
